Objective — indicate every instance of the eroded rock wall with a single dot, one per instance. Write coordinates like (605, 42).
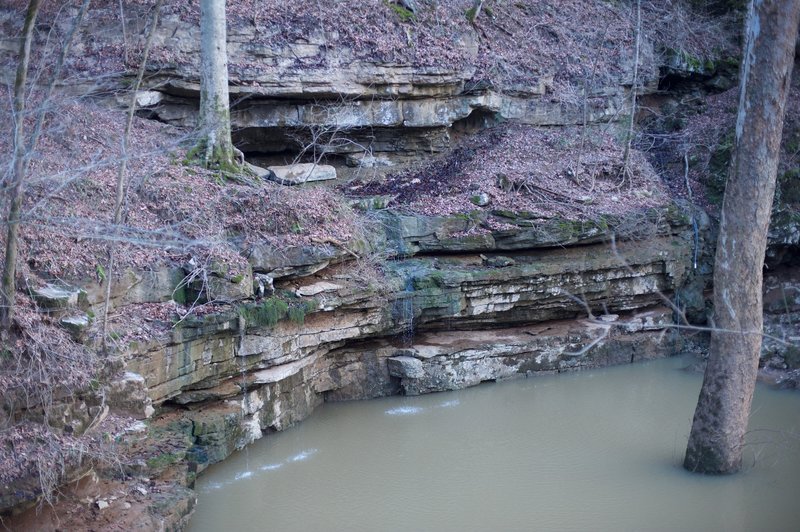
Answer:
(437, 321)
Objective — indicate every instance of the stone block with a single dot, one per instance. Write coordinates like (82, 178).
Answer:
(76, 325)
(299, 174)
(55, 298)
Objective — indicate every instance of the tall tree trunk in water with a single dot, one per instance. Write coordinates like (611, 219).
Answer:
(215, 148)
(16, 187)
(720, 420)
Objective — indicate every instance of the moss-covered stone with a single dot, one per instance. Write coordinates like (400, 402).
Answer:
(402, 13)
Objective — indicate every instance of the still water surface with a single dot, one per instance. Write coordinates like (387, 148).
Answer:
(597, 450)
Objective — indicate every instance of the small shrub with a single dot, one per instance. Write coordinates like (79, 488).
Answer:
(297, 315)
(402, 13)
(266, 313)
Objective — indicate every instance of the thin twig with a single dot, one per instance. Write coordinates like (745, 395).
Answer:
(121, 188)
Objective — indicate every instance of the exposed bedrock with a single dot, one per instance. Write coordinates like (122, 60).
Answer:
(287, 95)
(456, 304)
(234, 412)
(438, 321)
(417, 126)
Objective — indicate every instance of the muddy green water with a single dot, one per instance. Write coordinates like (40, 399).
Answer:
(596, 450)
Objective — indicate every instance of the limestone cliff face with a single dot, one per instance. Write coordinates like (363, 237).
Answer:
(412, 92)
(452, 309)
(242, 373)
(389, 110)
(480, 296)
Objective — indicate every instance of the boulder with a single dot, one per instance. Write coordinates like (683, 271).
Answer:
(56, 298)
(129, 395)
(230, 288)
(76, 325)
(295, 261)
(481, 199)
(300, 174)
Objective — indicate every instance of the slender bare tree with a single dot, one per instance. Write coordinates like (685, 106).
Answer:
(626, 170)
(23, 150)
(720, 420)
(16, 186)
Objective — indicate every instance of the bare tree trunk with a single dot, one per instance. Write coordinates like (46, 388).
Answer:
(626, 172)
(9, 284)
(216, 148)
(123, 165)
(720, 420)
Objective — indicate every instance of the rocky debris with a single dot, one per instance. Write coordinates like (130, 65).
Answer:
(646, 321)
(97, 503)
(129, 394)
(138, 427)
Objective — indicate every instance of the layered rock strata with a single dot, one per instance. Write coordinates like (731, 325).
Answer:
(256, 368)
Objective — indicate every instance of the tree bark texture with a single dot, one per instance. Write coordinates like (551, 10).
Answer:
(9, 284)
(720, 420)
(215, 123)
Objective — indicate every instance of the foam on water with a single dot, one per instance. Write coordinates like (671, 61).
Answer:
(303, 455)
(404, 411)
